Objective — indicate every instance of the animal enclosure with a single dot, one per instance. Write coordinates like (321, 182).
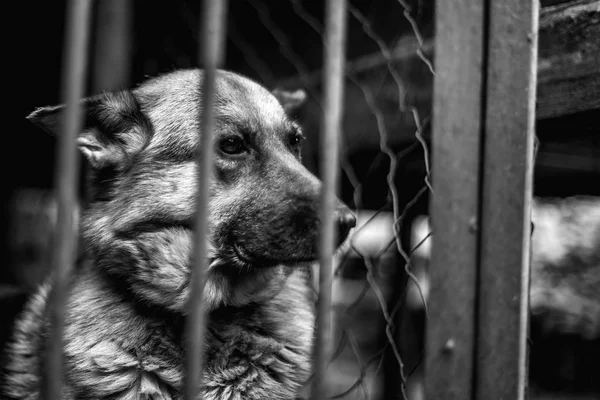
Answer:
(410, 108)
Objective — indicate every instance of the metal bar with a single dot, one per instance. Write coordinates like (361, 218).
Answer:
(66, 178)
(457, 139)
(506, 200)
(113, 45)
(335, 43)
(111, 64)
(211, 56)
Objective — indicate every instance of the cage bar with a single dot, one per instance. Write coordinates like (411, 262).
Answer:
(484, 97)
(211, 56)
(334, 54)
(66, 181)
(454, 206)
(112, 48)
(506, 200)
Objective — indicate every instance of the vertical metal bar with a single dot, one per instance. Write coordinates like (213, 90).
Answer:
(335, 43)
(113, 45)
(506, 200)
(457, 140)
(211, 56)
(66, 178)
(111, 64)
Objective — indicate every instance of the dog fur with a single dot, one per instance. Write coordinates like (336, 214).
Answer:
(128, 295)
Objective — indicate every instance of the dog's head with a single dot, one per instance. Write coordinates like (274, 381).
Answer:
(142, 146)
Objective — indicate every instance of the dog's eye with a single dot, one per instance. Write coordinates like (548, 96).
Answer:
(295, 140)
(232, 145)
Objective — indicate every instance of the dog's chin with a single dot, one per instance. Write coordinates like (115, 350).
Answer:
(250, 259)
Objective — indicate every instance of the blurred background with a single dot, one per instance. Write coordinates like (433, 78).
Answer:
(379, 313)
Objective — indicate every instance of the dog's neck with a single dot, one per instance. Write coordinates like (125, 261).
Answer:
(270, 341)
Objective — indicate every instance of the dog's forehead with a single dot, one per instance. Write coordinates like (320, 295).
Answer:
(242, 100)
(172, 103)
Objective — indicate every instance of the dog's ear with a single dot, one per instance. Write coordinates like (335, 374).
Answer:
(290, 100)
(114, 128)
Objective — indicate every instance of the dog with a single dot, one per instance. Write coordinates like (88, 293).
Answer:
(124, 336)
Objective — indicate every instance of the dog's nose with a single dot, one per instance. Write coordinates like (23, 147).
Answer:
(345, 221)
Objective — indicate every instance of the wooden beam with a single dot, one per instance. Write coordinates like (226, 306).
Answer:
(569, 59)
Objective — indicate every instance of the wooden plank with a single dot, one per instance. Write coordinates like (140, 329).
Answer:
(506, 200)
(66, 180)
(569, 59)
(565, 96)
(568, 40)
(457, 127)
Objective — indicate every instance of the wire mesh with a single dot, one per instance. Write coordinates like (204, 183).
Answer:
(369, 75)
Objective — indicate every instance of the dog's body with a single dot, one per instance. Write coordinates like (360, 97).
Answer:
(127, 300)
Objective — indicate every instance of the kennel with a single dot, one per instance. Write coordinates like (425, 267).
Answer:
(477, 181)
